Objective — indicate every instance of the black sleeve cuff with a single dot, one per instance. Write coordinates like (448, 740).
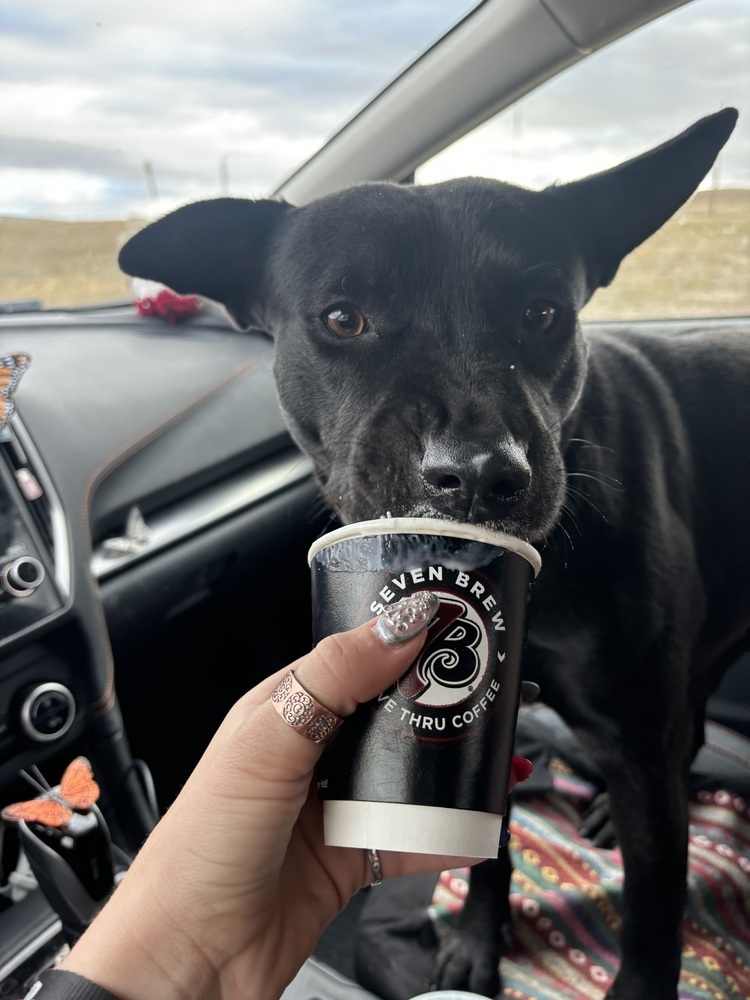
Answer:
(56, 984)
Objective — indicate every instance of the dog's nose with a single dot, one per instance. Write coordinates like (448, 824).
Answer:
(469, 482)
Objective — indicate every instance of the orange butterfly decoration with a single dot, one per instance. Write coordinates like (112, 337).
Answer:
(55, 807)
(12, 367)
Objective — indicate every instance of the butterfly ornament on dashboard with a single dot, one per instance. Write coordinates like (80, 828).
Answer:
(56, 807)
(12, 367)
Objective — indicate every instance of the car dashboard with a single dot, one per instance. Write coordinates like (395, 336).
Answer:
(154, 514)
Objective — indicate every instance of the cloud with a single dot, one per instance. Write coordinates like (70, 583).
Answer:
(196, 90)
(92, 93)
(630, 96)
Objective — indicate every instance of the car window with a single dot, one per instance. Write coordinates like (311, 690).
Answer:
(619, 102)
(117, 112)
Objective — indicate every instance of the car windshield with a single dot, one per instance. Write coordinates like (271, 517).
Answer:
(116, 113)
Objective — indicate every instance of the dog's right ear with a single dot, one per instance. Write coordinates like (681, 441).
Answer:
(215, 248)
(611, 213)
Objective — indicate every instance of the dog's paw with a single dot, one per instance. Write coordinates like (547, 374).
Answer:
(639, 992)
(632, 985)
(467, 963)
(596, 823)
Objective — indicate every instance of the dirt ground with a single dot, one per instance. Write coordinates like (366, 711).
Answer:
(696, 265)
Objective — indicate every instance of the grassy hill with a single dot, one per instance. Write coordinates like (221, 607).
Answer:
(698, 264)
(63, 263)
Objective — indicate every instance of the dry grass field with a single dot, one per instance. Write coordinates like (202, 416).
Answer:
(63, 263)
(697, 265)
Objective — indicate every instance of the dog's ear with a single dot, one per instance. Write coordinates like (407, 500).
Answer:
(611, 213)
(211, 248)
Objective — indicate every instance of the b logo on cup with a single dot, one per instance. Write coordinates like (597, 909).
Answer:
(454, 659)
(453, 684)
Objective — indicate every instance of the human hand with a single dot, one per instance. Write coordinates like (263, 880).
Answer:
(231, 891)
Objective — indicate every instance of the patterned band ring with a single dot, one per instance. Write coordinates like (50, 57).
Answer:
(301, 711)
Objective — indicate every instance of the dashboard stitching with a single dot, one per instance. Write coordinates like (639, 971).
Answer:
(106, 700)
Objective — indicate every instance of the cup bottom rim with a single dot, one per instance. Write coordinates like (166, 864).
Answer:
(415, 829)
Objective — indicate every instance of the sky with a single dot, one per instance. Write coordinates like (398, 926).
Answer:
(113, 109)
(617, 103)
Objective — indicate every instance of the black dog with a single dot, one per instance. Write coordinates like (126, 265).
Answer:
(430, 361)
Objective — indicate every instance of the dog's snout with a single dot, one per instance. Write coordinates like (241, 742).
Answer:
(483, 483)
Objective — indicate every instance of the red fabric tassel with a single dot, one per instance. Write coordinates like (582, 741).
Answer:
(170, 306)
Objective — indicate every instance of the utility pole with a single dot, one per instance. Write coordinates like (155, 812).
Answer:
(153, 189)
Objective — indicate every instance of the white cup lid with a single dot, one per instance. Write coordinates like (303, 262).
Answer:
(427, 526)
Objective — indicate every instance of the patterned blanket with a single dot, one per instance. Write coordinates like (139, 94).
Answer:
(566, 899)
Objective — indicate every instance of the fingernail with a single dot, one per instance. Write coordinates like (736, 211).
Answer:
(504, 837)
(407, 617)
(521, 769)
(529, 691)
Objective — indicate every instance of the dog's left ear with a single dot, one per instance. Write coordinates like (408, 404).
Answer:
(611, 213)
(214, 248)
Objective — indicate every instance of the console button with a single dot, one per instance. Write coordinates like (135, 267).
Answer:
(47, 712)
(22, 576)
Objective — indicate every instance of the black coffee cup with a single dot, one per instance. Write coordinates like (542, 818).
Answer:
(425, 766)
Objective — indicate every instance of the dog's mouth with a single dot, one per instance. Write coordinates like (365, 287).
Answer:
(498, 484)
(527, 514)
(515, 523)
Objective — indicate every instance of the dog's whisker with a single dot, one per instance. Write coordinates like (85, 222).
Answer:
(607, 486)
(579, 493)
(591, 444)
(567, 535)
(319, 506)
(597, 472)
(562, 545)
(568, 510)
(329, 521)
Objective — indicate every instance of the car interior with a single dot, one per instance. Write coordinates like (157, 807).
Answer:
(153, 505)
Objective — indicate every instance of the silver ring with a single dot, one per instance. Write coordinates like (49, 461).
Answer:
(377, 871)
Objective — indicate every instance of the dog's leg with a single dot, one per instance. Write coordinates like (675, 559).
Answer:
(469, 956)
(648, 798)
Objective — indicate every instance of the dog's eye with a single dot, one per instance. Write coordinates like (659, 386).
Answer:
(345, 320)
(540, 316)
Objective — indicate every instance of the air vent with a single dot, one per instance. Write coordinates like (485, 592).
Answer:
(31, 490)
(36, 491)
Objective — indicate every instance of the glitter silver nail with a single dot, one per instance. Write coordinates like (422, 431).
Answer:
(408, 617)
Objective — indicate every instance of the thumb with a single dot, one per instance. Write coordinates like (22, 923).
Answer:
(343, 671)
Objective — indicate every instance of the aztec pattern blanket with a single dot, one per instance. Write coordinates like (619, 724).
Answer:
(566, 899)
